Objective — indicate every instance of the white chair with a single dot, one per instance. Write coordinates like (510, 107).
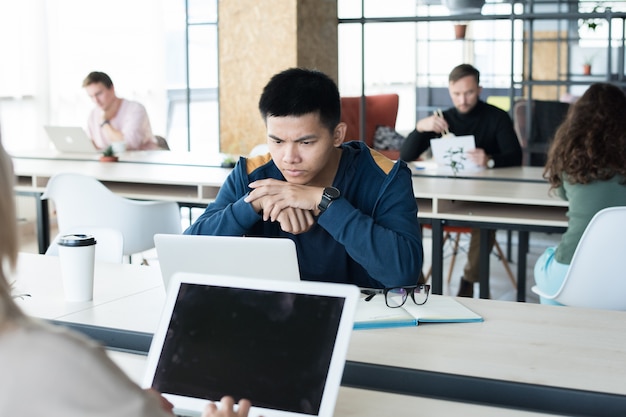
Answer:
(596, 277)
(260, 149)
(82, 201)
(109, 243)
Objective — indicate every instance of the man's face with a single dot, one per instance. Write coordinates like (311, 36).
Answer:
(464, 93)
(301, 147)
(102, 96)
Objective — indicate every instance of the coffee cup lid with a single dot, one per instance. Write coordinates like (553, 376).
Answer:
(76, 240)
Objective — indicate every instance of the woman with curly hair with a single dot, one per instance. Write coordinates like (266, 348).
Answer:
(586, 165)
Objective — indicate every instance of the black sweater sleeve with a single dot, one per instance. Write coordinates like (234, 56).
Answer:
(415, 144)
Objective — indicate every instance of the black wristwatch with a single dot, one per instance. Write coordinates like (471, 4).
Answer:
(329, 195)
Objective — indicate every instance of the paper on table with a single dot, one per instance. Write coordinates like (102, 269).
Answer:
(453, 149)
(438, 309)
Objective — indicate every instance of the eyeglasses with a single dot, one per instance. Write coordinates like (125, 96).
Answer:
(396, 297)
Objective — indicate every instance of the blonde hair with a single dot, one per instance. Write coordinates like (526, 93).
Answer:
(8, 237)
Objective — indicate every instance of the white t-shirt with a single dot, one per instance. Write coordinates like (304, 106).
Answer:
(49, 371)
(131, 119)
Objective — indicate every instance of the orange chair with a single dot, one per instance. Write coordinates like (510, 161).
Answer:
(380, 110)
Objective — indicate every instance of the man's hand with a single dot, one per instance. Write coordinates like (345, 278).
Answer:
(277, 195)
(292, 205)
(432, 123)
(478, 156)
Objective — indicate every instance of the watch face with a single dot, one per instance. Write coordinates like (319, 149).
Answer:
(331, 192)
(490, 163)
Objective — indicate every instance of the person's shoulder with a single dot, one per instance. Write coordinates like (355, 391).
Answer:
(257, 162)
(131, 105)
(361, 150)
(493, 109)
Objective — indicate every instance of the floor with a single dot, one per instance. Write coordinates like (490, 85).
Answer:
(501, 286)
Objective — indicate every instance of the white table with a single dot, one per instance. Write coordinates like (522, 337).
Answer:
(192, 185)
(522, 354)
(363, 403)
(521, 173)
(511, 203)
(40, 277)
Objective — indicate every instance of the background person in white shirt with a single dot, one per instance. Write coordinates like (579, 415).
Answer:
(116, 121)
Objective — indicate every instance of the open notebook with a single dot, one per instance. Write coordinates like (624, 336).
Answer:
(450, 153)
(280, 344)
(260, 257)
(438, 309)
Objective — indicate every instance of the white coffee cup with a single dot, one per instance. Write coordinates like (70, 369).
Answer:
(77, 254)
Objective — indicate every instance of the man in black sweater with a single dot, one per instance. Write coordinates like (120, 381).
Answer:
(496, 143)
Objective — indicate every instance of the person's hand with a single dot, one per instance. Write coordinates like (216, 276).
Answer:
(292, 220)
(273, 196)
(165, 404)
(226, 408)
(295, 221)
(432, 123)
(478, 156)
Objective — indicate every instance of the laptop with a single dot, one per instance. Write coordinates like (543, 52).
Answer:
(260, 257)
(70, 139)
(280, 344)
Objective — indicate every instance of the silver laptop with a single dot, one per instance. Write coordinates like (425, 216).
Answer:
(270, 258)
(280, 344)
(70, 139)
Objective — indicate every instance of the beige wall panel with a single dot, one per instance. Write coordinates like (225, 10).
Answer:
(317, 36)
(548, 62)
(257, 39)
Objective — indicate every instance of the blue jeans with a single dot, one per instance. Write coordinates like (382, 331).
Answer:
(549, 275)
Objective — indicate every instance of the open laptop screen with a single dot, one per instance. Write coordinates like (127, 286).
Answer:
(273, 348)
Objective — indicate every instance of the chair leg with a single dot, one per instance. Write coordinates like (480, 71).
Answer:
(505, 263)
(455, 250)
(430, 270)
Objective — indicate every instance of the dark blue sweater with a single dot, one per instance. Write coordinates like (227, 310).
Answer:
(369, 237)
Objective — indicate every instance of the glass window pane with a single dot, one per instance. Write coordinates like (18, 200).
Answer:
(390, 66)
(395, 8)
(202, 56)
(348, 9)
(350, 59)
(202, 11)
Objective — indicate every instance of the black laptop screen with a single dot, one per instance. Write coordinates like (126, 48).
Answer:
(273, 348)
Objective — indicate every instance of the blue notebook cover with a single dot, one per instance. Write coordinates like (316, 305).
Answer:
(374, 314)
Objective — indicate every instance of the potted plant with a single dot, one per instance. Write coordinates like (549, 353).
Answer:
(593, 23)
(108, 155)
(588, 60)
(228, 162)
(460, 28)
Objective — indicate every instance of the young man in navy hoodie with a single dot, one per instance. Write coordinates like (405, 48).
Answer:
(351, 211)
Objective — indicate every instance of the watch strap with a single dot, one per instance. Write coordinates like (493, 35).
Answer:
(329, 195)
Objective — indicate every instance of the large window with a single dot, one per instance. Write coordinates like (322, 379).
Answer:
(162, 54)
(409, 47)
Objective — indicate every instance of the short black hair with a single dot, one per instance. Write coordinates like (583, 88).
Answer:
(98, 77)
(462, 71)
(300, 91)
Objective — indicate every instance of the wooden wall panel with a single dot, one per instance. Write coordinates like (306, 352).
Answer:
(549, 63)
(257, 39)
